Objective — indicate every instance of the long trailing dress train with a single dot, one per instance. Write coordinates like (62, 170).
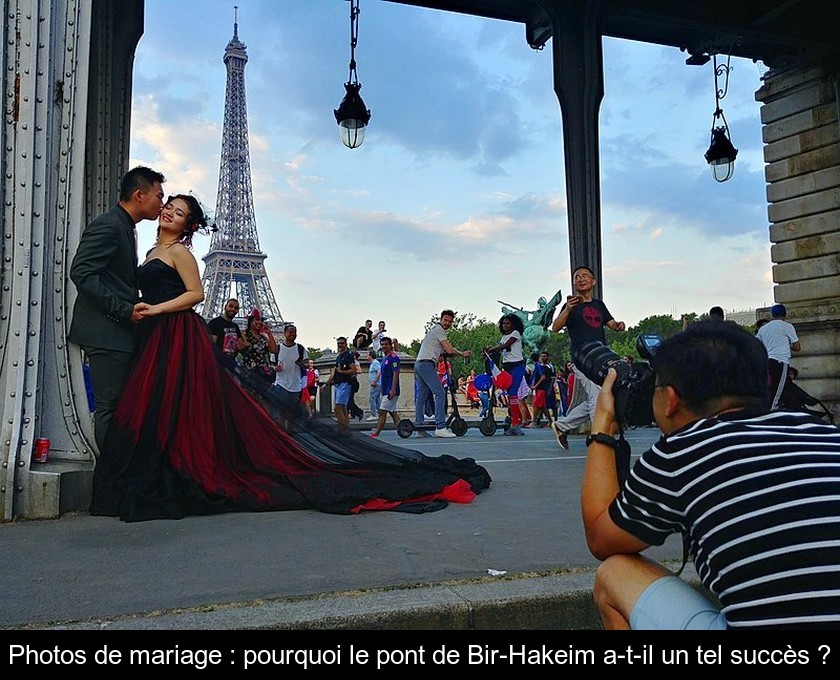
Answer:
(188, 439)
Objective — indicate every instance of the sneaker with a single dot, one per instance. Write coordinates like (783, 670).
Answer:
(443, 432)
(509, 432)
(422, 433)
(374, 435)
(562, 439)
(371, 418)
(517, 431)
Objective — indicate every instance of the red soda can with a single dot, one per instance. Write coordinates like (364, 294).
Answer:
(42, 450)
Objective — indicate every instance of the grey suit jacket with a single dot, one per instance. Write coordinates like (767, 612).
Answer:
(104, 270)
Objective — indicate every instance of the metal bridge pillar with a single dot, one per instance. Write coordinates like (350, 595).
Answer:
(579, 85)
(66, 82)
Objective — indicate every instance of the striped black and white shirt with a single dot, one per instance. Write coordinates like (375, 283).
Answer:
(758, 495)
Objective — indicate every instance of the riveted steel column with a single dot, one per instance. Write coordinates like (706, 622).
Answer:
(40, 62)
(46, 150)
(579, 84)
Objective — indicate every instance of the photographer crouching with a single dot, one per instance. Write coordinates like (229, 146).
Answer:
(755, 494)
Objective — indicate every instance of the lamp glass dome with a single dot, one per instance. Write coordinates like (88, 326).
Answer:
(352, 132)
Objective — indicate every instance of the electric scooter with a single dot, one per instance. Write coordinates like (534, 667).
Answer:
(454, 421)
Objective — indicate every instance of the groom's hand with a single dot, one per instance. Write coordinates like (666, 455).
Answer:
(137, 313)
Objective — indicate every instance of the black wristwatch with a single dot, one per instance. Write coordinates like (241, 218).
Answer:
(602, 438)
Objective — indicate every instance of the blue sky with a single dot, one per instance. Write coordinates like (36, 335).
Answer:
(457, 197)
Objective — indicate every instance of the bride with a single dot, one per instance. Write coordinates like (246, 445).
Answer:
(189, 437)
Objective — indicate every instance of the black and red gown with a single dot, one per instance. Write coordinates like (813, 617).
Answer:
(187, 439)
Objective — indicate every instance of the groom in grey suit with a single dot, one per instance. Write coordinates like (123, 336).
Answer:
(108, 307)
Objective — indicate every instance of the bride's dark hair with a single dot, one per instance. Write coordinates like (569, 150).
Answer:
(196, 220)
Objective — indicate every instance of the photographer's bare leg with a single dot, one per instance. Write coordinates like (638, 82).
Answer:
(619, 582)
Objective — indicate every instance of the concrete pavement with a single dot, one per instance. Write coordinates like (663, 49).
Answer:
(513, 559)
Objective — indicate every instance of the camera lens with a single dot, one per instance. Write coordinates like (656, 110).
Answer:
(594, 359)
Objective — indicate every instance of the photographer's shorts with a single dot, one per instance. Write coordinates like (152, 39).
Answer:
(669, 603)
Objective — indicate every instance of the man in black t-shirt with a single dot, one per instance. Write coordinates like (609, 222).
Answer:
(225, 333)
(585, 319)
(342, 377)
(542, 381)
(364, 336)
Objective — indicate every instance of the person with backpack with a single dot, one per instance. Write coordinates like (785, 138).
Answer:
(291, 366)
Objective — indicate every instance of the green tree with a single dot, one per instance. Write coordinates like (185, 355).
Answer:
(558, 349)
(663, 325)
(315, 353)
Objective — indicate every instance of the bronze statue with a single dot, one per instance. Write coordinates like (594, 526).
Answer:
(537, 322)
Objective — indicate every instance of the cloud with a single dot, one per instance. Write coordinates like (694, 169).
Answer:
(426, 89)
(686, 195)
(171, 147)
(514, 222)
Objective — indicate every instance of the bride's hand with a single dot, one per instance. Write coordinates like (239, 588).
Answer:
(151, 310)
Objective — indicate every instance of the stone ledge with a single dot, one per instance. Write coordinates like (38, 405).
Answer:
(805, 248)
(56, 488)
(781, 82)
(801, 185)
(806, 94)
(810, 204)
(818, 159)
(804, 141)
(799, 122)
(561, 601)
(806, 269)
(814, 291)
(799, 227)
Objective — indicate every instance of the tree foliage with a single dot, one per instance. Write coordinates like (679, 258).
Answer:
(624, 343)
(315, 353)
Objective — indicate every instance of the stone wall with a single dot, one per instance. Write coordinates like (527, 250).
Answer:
(405, 403)
(802, 151)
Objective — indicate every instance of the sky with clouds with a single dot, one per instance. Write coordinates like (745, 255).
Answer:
(457, 197)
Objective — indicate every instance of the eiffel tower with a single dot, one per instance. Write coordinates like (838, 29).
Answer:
(234, 266)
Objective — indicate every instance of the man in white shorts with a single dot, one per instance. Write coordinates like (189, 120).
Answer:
(389, 381)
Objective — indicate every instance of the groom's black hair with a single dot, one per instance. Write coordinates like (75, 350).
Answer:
(141, 178)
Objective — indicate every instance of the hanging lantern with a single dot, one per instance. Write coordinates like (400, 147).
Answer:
(721, 153)
(352, 116)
